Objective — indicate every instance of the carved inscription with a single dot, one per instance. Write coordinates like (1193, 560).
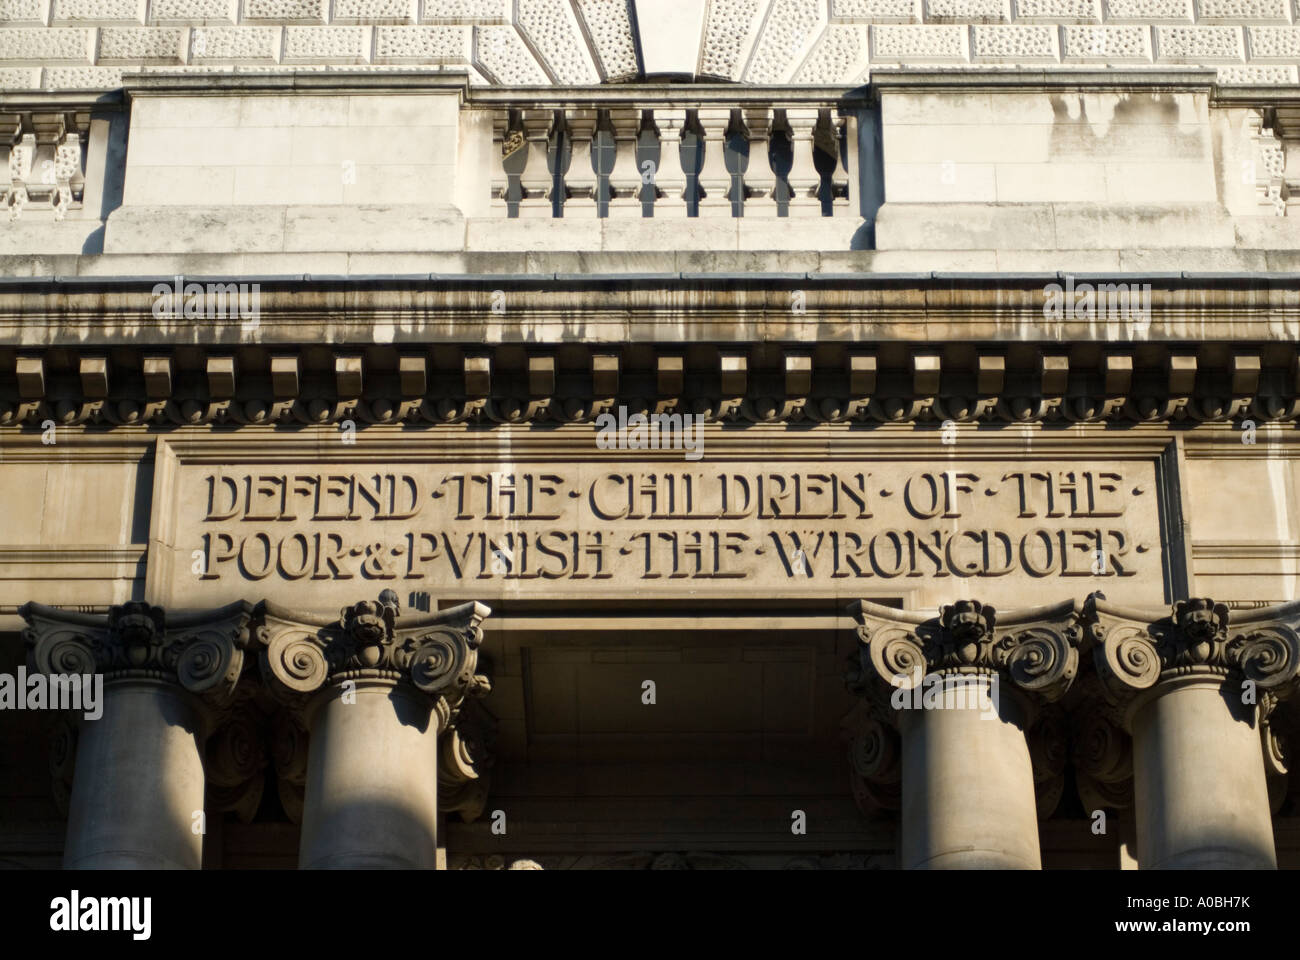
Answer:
(634, 524)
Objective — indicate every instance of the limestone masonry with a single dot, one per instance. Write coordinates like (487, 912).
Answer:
(804, 434)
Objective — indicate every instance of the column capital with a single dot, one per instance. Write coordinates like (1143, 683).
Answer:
(1035, 649)
(1138, 653)
(201, 651)
(370, 642)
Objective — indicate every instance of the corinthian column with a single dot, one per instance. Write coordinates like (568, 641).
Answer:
(1195, 685)
(138, 787)
(374, 692)
(963, 690)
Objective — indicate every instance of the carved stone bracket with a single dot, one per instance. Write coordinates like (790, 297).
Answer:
(63, 761)
(1277, 766)
(289, 753)
(152, 388)
(875, 768)
(45, 169)
(1272, 136)
(1048, 753)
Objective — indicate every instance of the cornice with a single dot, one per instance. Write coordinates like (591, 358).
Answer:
(335, 82)
(1019, 80)
(732, 349)
(643, 96)
(670, 307)
(62, 101)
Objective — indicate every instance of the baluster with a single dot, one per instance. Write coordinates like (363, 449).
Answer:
(510, 141)
(691, 152)
(67, 172)
(827, 161)
(714, 176)
(669, 176)
(736, 157)
(848, 126)
(536, 176)
(626, 178)
(581, 178)
(759, 178)
(22, 152)
(804, 178)
(602, 162)
(559, 155)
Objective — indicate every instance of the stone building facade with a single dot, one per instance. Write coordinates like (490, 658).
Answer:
(688, 434)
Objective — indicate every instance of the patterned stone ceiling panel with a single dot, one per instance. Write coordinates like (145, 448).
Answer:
(729, 35)
(90, 44)
(608, 26)
(551, 29)
(789, 30)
